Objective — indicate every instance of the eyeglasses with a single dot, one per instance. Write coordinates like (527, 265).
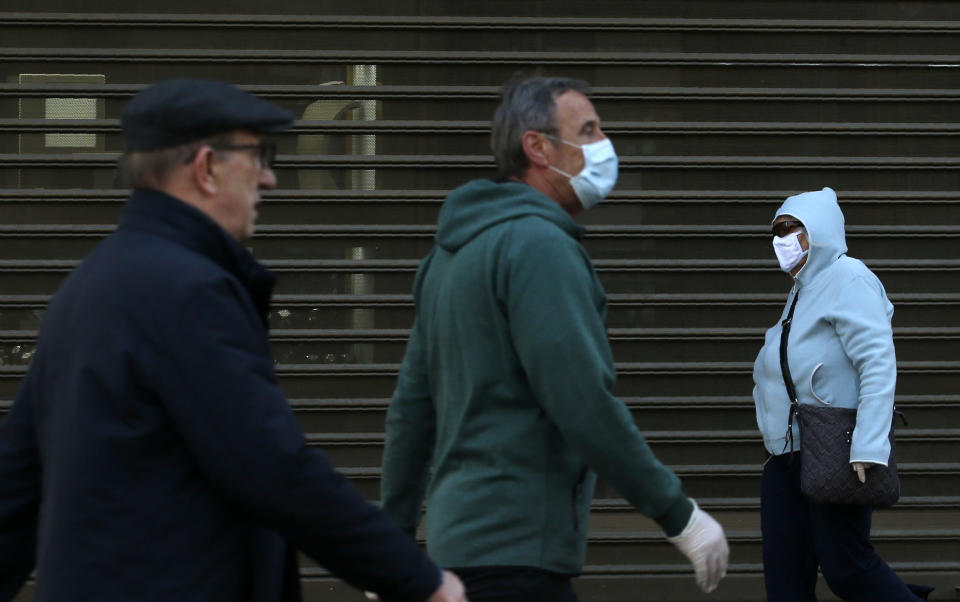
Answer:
(266, 151)
(781, 229)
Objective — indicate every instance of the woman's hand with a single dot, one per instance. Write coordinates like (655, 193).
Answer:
(861, 469)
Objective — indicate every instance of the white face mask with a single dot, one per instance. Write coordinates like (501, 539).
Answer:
(788, 250)
(599, 173)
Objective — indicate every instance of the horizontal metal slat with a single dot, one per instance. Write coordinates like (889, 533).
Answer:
(391, 265)
(716, 446)
(674, 581)
(475, 92)
(622, 368)
(920, 468)
(421, 127)
(607, 264)
(753, 503)
(614, 299)
(109, 160)
(649, 570)
(629, 196)
(618, 334)
(380, 404)
(649, 414)
(291, 206)
(739, 478)
(676, 436)
(312, 276)
(753, 535)
(441, 57)
(426, 23)
(724, 401)
(419, 230)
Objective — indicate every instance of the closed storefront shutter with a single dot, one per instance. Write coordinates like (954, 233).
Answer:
(718, 110)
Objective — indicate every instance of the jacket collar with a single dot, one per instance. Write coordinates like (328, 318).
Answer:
(167, 216)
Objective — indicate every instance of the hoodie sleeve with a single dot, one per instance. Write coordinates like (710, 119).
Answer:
(555, 306)
(411, 424)
(862, 321)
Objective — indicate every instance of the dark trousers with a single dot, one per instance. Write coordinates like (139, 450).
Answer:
(515, 584)
(799, 535)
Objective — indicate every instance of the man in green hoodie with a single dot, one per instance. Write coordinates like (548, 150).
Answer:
(503, 413)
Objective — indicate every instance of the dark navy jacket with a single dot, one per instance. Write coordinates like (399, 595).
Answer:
(150, 454)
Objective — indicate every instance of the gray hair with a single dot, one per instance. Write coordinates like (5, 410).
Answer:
(527, 104)
(150, 169)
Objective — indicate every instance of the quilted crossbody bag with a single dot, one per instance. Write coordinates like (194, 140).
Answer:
(826, 433)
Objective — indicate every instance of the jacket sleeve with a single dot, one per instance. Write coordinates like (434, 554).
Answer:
(411, 427)
(20, 478)
(223, 397)
(862, 322)
(557, 328)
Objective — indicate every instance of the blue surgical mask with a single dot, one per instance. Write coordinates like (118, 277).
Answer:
(599, 173)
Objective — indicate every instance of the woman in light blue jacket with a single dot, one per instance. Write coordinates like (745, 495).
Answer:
(841, 354)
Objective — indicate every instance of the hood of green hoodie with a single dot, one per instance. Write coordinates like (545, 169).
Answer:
(824, 223)
(480, 204)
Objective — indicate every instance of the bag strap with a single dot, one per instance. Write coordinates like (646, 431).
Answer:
(785, 371)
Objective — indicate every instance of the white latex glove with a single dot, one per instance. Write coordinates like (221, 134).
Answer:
(703, 543)
(450, 590)
(861, 469)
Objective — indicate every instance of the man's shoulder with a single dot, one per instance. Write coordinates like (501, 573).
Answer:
(533, 225)
(538, 234)
(132, 263)
(153, 255)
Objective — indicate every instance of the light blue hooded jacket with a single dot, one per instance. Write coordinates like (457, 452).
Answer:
(840, 348)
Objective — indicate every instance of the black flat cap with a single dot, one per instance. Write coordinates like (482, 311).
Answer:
(178, 111)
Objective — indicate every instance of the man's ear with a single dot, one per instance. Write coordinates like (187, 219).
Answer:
(534, 148)
(203, 171)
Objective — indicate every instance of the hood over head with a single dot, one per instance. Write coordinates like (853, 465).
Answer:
(824, 223)
(480, 204)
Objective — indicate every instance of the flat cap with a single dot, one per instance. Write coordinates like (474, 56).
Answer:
(178, 111)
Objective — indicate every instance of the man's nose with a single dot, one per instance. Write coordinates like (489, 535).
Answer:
(268, 179)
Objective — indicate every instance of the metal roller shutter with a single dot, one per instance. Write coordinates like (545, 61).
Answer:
(718, 110)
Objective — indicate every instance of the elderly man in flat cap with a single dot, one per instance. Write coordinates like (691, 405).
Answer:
(150, 454)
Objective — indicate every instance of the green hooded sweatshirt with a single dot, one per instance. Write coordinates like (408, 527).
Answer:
(504, 407)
